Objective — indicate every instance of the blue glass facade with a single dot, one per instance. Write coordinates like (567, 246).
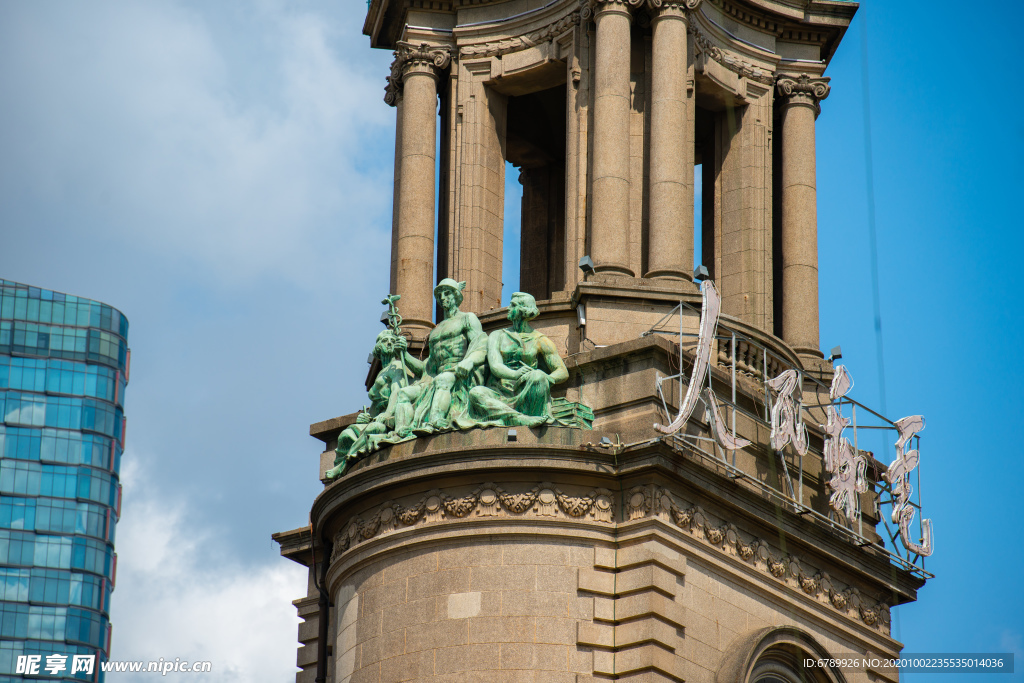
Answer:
(64, 364)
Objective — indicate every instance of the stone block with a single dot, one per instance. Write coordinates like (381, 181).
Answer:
(650, 552)
(646, 657)
(534, 657)
(649, 604)
(349, 613)
(473, 657)
(409, 614)
(502, 629)
(504, 577)
(463, 605)
(532, 554)
(594, 581)
(534, 604)
(648, 631)
(556, 579)
(469, 556)
(411, 564)
(408, 667)
(347, 639)
(306, 655)
(595, 634)
(444, 633)
(345, 663)
(377, 598)
(442, 582)
(556, 631)
(646, 577)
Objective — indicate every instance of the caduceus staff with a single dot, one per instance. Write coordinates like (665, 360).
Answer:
(395, 324)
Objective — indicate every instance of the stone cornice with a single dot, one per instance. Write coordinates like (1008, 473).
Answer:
(424, 58)
(727, 59)
(516, 43)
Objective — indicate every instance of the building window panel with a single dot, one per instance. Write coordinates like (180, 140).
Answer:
(18, 513)
(13, 620)
(14, 584)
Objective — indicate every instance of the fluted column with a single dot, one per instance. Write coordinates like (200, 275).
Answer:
(610, 218)
(798, 99)
(670, 237)
(417, 68)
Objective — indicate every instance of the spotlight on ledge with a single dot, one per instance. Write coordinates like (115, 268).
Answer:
(605, 442)
(512, 436)
(700, 273)
(384, 318)
(587, 265)
(837, 353)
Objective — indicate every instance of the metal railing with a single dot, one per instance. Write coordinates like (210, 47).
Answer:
(743, 356)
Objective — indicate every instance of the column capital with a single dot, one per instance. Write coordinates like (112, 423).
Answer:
(411, 58)
(588, 8)
(802, 89)
(667, 6)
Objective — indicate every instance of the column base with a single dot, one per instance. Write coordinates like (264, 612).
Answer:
(808, 351)
(669, 274)
(618, 268)
(417, 329)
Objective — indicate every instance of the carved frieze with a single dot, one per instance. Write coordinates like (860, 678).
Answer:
(728, 60)
(654, 501)
(515, 43)
(545, 500)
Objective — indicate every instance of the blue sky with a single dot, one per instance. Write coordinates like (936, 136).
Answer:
(221, 172)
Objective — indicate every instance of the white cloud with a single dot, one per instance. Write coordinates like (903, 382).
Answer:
(254, 153)
(181, 595)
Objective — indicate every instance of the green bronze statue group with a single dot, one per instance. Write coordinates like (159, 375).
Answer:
(468, 379)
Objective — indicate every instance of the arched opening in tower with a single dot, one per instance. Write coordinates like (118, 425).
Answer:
(535, 144)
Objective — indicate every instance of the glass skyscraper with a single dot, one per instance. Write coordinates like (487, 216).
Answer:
(64, 364)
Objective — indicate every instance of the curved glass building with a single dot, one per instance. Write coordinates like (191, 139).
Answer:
(64, 364)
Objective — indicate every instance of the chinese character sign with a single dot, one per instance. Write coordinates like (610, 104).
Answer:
(846, 466)
(82, 663)
(898, 475)
(55, 664)
(711, 306)
(786, 425)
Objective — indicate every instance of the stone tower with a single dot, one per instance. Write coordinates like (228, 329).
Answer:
(736, 543)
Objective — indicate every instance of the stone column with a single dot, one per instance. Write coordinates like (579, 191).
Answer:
(609, 239)
(419, 68)
(798, 100)
(393, 97)
(670, 240)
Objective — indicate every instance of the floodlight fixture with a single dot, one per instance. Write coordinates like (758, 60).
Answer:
(385, 319)
(700, 273)
(512, 435)
(837, 353)
(587, 265)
